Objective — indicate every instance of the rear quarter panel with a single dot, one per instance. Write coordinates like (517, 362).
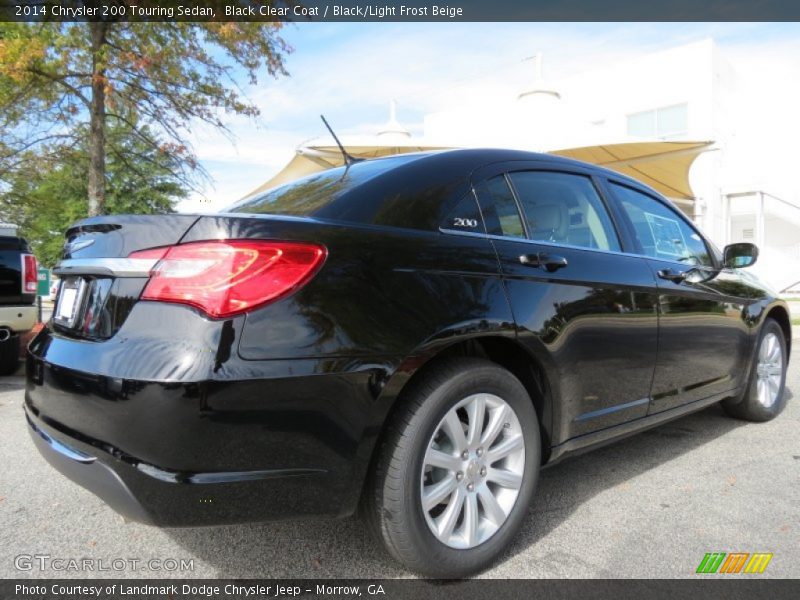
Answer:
(382, 292)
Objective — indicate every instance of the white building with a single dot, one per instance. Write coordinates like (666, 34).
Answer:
(688, 93)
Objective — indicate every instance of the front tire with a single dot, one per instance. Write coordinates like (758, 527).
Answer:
(456, 469)
(9, 355)
(764, 398)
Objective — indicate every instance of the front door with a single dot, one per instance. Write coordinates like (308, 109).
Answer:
(702, 335)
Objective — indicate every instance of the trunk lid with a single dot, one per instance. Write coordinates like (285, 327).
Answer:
(98, 288)
(118, 236)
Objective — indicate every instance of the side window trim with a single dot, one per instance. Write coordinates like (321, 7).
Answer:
(487, 204)
(611, 210)
(630, 242)
(515, 195)
(678, 214)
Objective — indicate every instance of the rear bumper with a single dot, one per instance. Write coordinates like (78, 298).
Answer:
(148, 494)
(84, 468)
(18, 319)
(254, 441)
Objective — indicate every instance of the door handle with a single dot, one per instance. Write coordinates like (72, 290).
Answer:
(672, 275)
(549, 262)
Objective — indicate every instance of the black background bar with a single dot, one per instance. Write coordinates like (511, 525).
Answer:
(732, 587)
(409, 11)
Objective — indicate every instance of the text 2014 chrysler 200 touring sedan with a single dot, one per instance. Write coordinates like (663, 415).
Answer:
(414, 335)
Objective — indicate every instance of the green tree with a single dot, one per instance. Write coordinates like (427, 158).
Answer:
(52, 193)
(64, 84)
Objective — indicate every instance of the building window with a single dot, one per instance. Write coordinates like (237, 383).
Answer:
(662, 123)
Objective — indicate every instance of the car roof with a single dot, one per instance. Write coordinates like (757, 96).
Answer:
(411, 190)
(475, 158)
(478, 157)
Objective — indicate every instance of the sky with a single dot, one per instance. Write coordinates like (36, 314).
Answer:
(350, 71)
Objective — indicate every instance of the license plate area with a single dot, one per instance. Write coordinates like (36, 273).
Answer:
(71, 295)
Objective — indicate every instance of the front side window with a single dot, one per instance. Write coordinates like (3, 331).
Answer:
(564, 208)
(661, 232)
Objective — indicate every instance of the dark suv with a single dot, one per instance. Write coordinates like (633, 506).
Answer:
(416, 335)
(18, 284)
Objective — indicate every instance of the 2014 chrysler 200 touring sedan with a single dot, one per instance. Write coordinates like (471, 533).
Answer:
(414, 335)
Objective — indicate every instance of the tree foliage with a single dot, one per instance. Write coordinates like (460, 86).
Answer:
(51, 194)
(67, 84)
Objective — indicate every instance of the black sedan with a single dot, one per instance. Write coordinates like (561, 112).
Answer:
(413, 336)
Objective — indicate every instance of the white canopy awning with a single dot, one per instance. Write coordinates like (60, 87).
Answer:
(313, 158)
(663, 166)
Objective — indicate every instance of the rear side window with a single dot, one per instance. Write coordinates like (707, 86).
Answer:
(564, 208)
(501, 214)
(660, 231)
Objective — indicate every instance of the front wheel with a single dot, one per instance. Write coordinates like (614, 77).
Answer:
(9, 355)
(456, 469)
(764, 398)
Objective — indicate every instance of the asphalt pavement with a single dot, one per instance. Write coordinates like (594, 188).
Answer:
(649, 506)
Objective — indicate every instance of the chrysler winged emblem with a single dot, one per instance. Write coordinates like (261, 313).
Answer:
(71, 247)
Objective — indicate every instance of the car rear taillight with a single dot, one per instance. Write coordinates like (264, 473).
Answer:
(30, 276)
(225, 278)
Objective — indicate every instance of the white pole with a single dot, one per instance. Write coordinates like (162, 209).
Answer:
(760, 221)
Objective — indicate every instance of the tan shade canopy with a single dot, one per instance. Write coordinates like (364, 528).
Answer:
(313, 159)
(663, 166)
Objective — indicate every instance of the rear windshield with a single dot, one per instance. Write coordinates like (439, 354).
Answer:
(13, 243)
(312, 194)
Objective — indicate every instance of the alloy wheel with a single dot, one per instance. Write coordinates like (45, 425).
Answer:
(769, 370)
(472, 471)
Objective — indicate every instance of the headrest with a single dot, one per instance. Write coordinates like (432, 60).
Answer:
(548, 221)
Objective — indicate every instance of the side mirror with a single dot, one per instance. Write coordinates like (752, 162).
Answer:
(739, 256)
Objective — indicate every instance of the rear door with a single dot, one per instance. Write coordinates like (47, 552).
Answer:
(584, 308)
(702, 335)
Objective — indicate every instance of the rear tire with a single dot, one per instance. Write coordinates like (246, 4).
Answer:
(490, 477)
(764, 398)
(9, 355)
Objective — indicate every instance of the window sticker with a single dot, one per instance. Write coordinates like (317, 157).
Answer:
(667, 235)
